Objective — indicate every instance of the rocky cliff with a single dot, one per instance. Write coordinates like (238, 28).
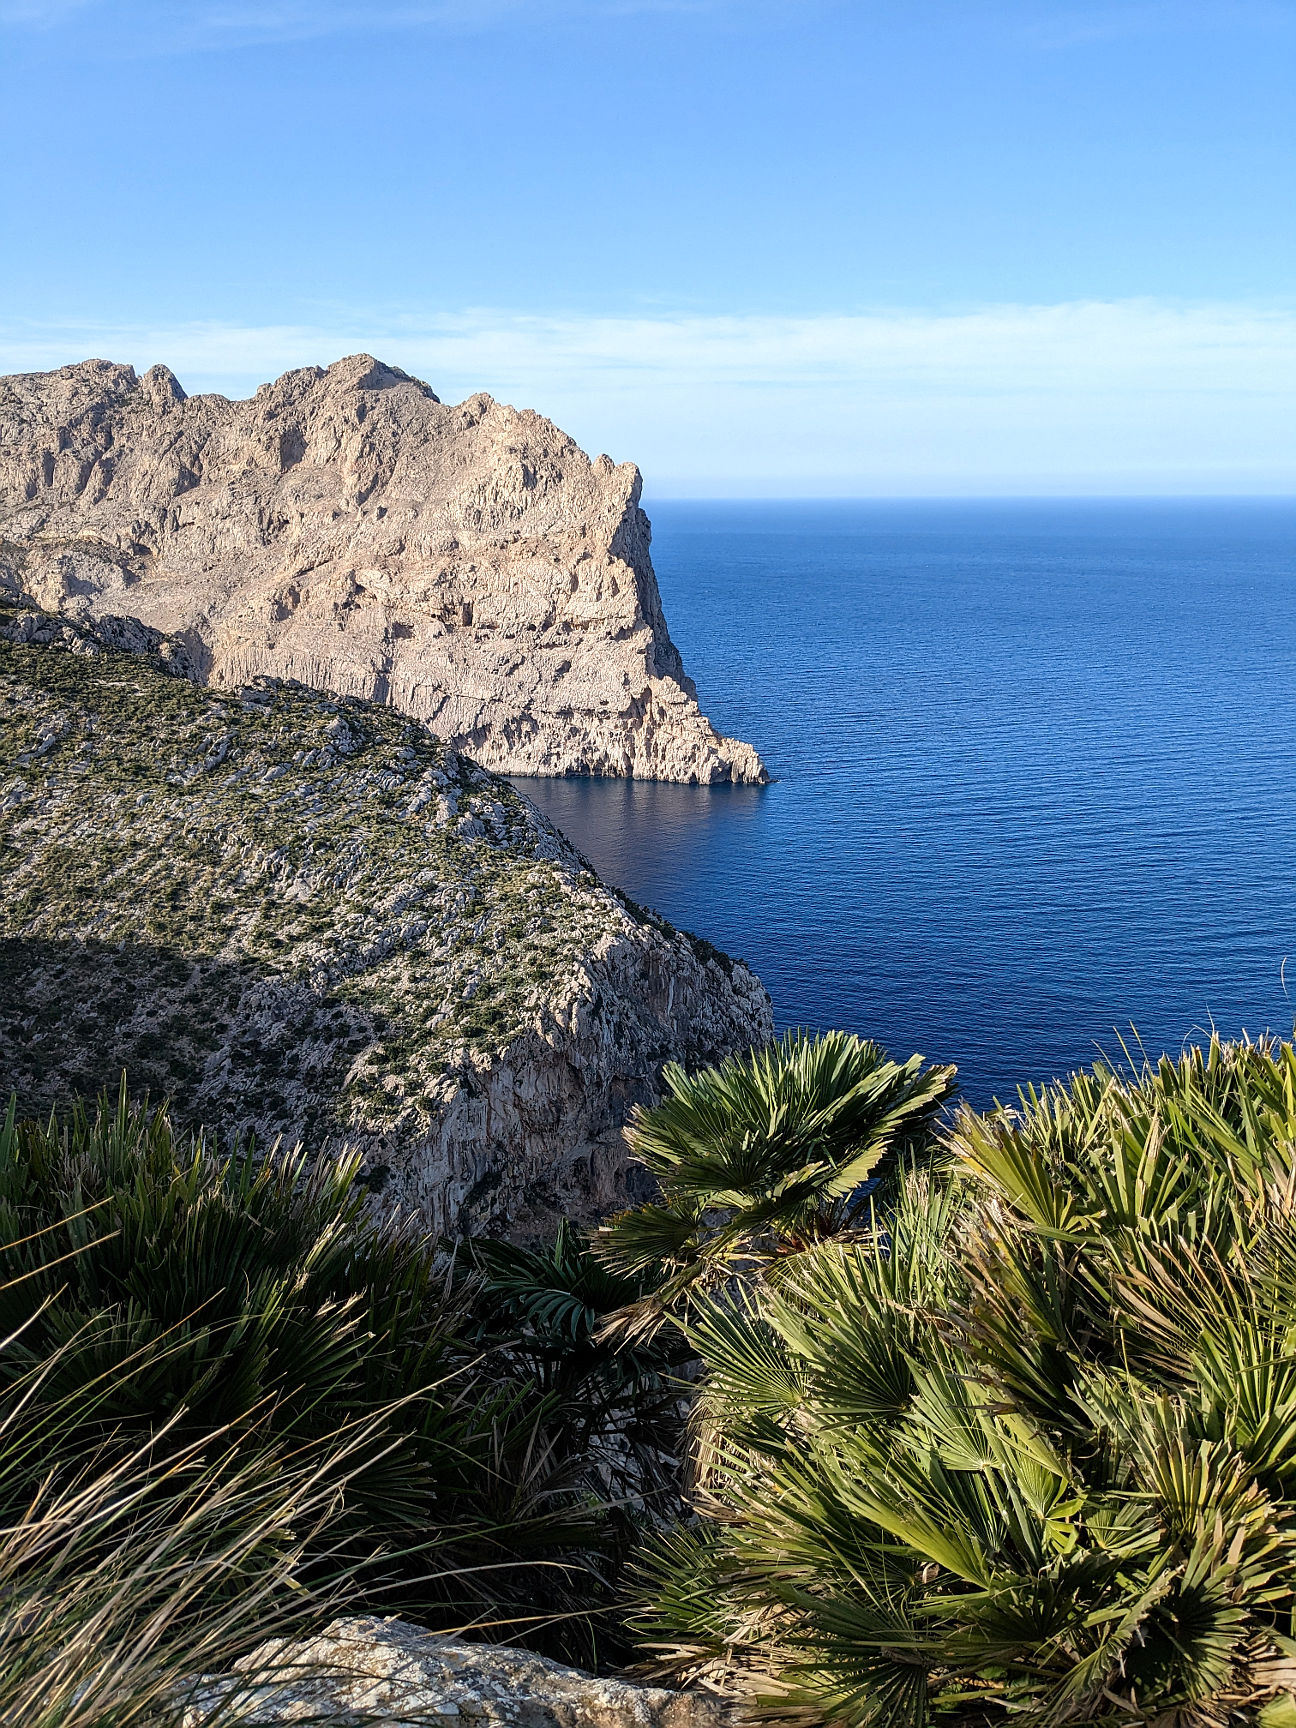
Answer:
(307, 916)
(467, 565)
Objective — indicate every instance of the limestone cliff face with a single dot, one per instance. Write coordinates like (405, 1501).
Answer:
(307, 916)
(467, 565)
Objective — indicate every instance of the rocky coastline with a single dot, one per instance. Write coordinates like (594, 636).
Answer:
(466, 565)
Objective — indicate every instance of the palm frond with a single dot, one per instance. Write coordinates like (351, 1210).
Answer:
(1021, 1440)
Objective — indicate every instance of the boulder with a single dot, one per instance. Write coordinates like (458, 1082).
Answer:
(365, 1670)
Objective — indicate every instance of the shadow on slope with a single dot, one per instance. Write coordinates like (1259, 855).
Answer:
(230, 1043)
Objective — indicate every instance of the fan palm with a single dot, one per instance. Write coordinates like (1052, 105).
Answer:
(762, 1157)
(615, 1405)
(129, 1569)
(1029, 1445)
(152, 1283)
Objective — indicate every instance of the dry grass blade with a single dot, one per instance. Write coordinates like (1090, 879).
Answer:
(123, 1584)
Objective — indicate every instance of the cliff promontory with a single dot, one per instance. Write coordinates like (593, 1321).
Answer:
(305, 915)
(467, 565)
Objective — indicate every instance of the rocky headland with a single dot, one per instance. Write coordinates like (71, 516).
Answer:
(306, 915)
(467, 565)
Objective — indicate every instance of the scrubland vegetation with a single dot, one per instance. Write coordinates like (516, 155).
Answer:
(881, 1413)
(232, 1398)
(1023, 1445)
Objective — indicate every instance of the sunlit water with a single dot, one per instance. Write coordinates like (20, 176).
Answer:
(1036, 771)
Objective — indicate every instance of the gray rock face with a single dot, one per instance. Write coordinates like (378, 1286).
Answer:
(307, 916)
(362, 1671)
(467, 565)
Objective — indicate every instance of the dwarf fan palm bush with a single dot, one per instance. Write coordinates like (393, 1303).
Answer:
(127, 1571)
(764, 1156)
(151, 1283)
(617, 1405)
(615, 1411)
(224, 1279)
(1027, 1449)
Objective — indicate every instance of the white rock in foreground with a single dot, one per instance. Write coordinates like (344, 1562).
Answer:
(468, 565)
(362, 1670)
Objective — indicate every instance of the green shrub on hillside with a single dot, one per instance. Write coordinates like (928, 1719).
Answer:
(1026, 1449)
(150, 1283)
(618, 1405)
(763, 1156)
(226, 1279)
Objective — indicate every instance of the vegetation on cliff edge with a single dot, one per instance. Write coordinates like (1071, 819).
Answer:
(225, 1378)
(1024, 1448)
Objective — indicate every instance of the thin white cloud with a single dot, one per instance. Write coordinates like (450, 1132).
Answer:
(41, 13)
(1118, 396)
(171, 25)
(167, 26)
(1081, 22)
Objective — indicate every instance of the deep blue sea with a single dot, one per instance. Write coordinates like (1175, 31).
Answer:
(1036, 771)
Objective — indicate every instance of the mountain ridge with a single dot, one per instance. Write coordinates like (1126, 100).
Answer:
(306, 917)
(467, 564)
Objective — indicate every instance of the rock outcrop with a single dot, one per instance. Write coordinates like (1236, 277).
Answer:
(307, 916)
(387, 1671)
(466, 565)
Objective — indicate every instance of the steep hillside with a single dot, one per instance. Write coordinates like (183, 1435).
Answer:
(306, 915)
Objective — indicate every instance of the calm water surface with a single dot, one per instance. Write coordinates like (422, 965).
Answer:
(1036, 771)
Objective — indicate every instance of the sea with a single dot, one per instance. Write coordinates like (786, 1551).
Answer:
(1034, 796)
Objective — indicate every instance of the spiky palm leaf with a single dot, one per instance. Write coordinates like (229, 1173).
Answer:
(1028, 1447)
(762, 1156)
(617, 1407)
(152, 1282)
(128, 1570)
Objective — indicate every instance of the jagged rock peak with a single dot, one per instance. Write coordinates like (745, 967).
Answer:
(467, 564)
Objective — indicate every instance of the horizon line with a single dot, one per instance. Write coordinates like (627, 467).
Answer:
(1287, 497)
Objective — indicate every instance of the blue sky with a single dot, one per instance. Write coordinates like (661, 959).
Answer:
(758, 246)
